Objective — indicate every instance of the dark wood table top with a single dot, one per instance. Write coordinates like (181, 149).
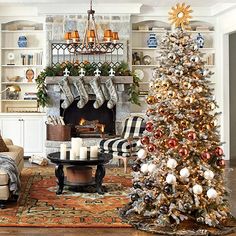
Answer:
(102, 158)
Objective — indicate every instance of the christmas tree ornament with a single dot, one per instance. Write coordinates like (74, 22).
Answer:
(158, 134)
(206, 156)
(134, 197)
(149, 127)
(168, 189)
(195, 59)
(210, 106)
(165, 84)
(144, 168)
(186, 85)
(211, 193)
(172, 143)
(198, 112)
(136, 167)
(142, 153)
(145, 140)
(147, 199)
(152, 147)
(170, 118)
(139, 144)
(219, 151)
(191, 135)
(220, 163)
(171, 94)
(164, 209)
(157, 86)
(136, 185)
(178, 73)
(180, 15)
(170, 179)
(171, 163)
(149, 184)
(162, 110)
(188, 100)
(184, 123)
(188, 206)
(171, 56)
(200, 219)
(184, 173)
(197, 189)
(208, 174)
(151, 168)
(151, 100)
(183, 152)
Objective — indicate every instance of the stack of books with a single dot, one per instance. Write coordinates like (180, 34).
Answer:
(30, 96)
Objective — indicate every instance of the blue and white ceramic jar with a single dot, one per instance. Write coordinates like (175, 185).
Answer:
(22, 42)
(152, 41)
(200, 40)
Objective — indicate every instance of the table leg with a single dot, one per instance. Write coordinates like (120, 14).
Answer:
(60, 177)
(99, 175)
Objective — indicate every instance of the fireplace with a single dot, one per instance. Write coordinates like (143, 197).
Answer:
(88, 121)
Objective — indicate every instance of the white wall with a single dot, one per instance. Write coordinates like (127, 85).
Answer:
(225, 24)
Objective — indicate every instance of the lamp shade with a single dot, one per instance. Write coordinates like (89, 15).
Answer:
(91, 34)
(115, 36)
(75, 36)
(67, 36)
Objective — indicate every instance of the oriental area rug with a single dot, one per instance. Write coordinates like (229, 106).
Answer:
(39, 206)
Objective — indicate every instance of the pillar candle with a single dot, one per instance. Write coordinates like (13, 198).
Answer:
(93, 152)
(83, 153)
(63, 151)
(76, 143)
(72, 154)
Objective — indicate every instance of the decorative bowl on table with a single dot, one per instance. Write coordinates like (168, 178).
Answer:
(13, 79)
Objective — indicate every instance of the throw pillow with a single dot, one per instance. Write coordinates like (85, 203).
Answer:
(3, 146)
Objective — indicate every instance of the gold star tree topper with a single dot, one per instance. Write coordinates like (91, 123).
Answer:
(180, 15)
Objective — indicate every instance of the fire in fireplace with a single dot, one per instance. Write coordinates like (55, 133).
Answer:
(88, 121)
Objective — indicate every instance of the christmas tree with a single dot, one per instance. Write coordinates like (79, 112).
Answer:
(179, 173)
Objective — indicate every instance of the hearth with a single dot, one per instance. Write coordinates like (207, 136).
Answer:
(88, 121)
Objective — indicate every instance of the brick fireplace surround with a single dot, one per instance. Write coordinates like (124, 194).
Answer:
(122, 107)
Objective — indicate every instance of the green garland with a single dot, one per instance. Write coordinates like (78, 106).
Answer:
(121, 70)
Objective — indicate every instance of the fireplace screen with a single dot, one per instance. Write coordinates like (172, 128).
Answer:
(88, 121)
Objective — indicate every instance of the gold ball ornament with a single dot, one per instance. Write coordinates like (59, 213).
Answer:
(151, 100)
(171, 94)
(184, 123)
(189, 100)
(162, 110)
(186, 85)
(150, 112)
(165, 85)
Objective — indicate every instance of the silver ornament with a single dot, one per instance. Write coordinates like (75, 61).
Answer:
(194, 58)
(178, 73)
(171, 56)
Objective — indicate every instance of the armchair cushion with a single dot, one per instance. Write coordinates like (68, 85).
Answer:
(3, 146)
(118, 145)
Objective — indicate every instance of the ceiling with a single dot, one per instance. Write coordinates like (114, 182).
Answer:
(156, 3)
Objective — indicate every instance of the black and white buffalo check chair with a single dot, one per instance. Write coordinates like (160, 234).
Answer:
(125, 146)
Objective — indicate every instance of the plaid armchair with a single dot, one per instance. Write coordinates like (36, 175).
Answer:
(125, 146)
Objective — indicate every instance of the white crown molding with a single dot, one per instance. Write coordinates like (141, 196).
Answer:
(220, 8)
(111, 8)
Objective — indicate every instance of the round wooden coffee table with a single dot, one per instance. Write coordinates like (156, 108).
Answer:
(103, 158)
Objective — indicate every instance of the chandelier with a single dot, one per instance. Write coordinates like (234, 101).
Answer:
(90, 43)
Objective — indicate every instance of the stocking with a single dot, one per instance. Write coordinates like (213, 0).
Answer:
(79, 85)
(113, 94)
(98, 92)
(65, 87)
(105, 92)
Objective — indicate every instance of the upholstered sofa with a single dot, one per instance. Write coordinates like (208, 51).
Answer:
(17, 154)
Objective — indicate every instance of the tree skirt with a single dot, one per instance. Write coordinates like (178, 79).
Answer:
(39, 205)
(187, 227)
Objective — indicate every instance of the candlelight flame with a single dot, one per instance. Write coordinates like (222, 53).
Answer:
(82, 121)
(102, 128)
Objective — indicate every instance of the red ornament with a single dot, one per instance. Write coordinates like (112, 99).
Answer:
(220, 163)
(145, 140)
(183, 152)
(152, 147)
(149, 126)
(219, 151)
(191, 135)
(172, 143)
(206, 156)
(158, 134)
(150, 112)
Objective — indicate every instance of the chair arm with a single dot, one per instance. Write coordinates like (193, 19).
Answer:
(8, 141)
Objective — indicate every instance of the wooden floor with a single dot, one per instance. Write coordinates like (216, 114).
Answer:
(26, 231)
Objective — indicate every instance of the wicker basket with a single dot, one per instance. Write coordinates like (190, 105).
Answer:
(58, 132)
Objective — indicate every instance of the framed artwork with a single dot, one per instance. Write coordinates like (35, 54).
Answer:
(30, 75)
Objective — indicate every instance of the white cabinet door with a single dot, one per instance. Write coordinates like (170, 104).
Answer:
(33, 135)
(12, 128)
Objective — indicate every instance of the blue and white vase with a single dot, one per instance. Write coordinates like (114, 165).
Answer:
(200, 40)
(22, 42)
(152, 41)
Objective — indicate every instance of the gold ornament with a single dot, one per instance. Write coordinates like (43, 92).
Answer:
(180, 15)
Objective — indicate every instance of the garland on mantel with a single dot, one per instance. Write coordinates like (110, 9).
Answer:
(121, 70)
